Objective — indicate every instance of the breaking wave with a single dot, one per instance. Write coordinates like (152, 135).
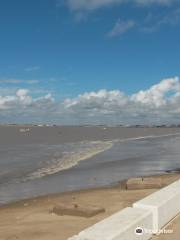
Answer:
(75, 152)
(68, 159)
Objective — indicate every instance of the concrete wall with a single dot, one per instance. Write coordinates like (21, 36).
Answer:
(164, 204)
(120, 226)
(150, 214)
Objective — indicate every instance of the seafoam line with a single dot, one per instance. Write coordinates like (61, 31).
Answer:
(71, 160)
(147, 137)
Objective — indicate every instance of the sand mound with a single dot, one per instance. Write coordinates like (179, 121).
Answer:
(76, 210)
(143, 183)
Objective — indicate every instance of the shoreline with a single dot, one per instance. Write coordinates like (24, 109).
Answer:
(119, 184)
(104, 146)
(126, 158)
(33, 219)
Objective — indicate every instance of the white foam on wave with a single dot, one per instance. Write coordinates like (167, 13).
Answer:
(148, 137)
(84, 151)
(70, 159)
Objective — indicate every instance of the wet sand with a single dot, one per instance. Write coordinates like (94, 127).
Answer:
(32, 219)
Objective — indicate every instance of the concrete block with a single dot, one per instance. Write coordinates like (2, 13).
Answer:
(143, 183)
(77, 210)
(120, 226)
(164, 204)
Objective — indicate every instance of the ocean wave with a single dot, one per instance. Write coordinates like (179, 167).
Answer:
(147, 137)
(68, 159)
(80, 151)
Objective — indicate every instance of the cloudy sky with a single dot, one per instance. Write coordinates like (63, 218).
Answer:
(90, 61)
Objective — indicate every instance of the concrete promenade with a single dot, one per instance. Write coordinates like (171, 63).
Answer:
(157, 211)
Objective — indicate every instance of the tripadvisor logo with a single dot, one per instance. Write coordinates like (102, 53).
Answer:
(139, 231)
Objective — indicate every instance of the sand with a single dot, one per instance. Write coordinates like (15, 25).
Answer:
(33, 219)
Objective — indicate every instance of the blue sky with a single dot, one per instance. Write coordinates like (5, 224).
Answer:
(60, 49)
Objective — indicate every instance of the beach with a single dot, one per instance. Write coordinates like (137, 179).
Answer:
(90, 120)
(33, 219)
(41, 160)
(85, 166)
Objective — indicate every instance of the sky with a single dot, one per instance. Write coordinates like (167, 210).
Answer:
(90, 61)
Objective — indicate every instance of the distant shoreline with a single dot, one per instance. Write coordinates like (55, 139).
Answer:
(163, 125)
(63, 134)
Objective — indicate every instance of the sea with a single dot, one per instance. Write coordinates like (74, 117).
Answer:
(37, 161)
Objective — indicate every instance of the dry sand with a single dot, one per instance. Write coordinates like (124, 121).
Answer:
(32, 219)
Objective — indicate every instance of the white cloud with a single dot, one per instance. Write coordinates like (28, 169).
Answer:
(156, 95)
(81, 9)
(121, 27)
(101, 100)
(89, 5)
(160, 2)
(153, 23)
(31, 69)
(158, 104)
(10, 81)
(18, 81)
(23, 97)
(20, 99)
(32, 81)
